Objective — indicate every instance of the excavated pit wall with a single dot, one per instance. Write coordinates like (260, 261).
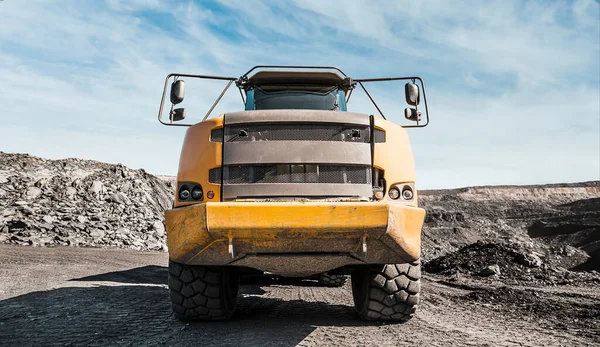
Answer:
(558, 222)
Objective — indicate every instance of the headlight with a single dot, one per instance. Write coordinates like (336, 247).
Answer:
(407, 193)
(197, 193)
(189, 191)
(184, 193)
(394, 193)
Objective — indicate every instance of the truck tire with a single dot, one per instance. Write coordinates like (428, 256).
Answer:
(387, 292)
(331, 280)
(202, 292)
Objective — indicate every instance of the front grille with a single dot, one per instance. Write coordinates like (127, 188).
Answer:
(297, 174)
(300, 154)
(297, 132)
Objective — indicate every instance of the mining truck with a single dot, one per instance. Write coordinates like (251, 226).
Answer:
(295, 185)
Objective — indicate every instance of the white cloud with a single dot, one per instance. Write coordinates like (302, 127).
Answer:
(513, 87)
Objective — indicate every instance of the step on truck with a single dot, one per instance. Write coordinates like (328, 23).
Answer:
(295, 185)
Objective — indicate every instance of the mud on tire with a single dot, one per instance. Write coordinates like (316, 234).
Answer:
(202, 292)
(331, 280)
(387, 292)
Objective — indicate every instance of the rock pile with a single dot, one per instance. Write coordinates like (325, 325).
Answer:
(507, 262)
(485, 259)
(81, 203)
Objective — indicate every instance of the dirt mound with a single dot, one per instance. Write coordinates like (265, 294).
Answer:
(80, 203)
(505, 262)
(475, 258)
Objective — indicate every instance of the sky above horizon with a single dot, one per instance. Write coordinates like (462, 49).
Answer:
(513, 87)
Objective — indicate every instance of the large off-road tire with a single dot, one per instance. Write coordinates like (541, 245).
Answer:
(331, 280)
(387, 292)
(202, 292)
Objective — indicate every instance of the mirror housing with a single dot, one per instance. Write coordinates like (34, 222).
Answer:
(177, 114)
(411, 91)
(177, 92)
(412, 114)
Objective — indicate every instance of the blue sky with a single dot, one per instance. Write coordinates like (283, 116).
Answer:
(513, 87)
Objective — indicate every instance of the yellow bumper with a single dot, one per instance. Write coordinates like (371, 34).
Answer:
(257, 234)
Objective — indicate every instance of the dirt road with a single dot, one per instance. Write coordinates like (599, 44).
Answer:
(77, 296)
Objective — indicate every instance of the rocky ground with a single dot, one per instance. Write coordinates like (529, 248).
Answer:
(506, 265)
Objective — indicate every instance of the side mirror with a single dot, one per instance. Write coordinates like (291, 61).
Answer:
(177, 114)
(411, 91)
(177, 92)
(412, 114)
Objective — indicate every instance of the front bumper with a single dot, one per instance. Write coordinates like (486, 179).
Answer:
(294, 238)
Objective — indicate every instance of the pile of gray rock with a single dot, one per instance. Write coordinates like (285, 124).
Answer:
(78, 202)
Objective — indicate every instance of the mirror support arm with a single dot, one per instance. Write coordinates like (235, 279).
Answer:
(217, 101)
(373, 101)
(349, 95)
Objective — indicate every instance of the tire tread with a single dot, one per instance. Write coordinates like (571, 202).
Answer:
(200, 293)
(392, 293)
(332, 280)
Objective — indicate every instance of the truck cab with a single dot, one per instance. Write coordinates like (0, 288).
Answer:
(295, 185)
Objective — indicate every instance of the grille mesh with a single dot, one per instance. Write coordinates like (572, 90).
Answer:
(297, 132)
(216, 135)
(214, 176)
(297, 174)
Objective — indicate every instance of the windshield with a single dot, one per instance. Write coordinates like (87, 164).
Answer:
(296, 97)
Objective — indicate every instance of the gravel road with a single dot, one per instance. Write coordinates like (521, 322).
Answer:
(100, 297)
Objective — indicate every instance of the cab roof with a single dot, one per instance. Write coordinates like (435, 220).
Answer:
(271, 77)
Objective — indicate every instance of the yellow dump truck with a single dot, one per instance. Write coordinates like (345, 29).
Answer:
(295, 185)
